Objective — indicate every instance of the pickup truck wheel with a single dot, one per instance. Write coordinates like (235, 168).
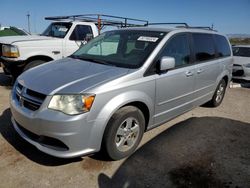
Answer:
(219, 94)
(124, 132)
(33, 64)
(6, 72)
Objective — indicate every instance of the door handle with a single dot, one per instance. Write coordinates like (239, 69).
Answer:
(189, 73)
(200, 71)
(56, 52)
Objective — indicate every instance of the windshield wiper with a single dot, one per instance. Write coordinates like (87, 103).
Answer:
(92, 60)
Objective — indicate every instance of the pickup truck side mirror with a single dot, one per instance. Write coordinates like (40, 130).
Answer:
(166, 63)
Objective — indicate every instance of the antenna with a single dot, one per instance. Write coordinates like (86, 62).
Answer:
(28, 17)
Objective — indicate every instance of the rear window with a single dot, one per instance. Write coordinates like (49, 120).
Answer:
(203, 47)
(241, 51)
(222, 46)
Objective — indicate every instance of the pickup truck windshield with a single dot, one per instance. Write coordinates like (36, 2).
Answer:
(122, 48)
(57, 29)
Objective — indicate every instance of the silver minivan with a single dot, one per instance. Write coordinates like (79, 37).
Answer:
(117, 86)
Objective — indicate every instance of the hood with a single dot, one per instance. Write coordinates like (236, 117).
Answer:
(241, 60)
(25, 38)
(68, 76)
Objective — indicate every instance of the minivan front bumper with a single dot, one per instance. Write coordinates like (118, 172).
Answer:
(53, 132)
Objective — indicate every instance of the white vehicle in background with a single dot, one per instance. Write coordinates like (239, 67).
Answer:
(241, 66)
(12, 31)
(63, 37)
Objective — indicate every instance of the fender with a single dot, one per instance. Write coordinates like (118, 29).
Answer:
(111, 107)
(40, 48)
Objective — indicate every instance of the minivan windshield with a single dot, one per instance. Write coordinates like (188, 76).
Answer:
(241, 51)
(57, 29)
(122, 48)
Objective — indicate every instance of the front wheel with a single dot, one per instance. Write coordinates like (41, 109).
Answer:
(6, 72)
(124, 132)
(33, 64)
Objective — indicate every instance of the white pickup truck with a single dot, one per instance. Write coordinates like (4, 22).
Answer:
(62, 37)
(59, 40)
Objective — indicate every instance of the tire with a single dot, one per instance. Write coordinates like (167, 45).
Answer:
(33, 64)
(123, 133)
(218, 94)
(6, 72)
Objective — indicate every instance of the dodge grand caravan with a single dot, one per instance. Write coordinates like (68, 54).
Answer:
(117, 86)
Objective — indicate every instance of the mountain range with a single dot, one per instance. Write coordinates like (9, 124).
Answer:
(238, 35)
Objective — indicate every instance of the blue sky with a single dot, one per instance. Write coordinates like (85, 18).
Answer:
(228, 16)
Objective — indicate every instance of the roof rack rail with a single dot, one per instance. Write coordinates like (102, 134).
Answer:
(168, 23)
(198, 27)
(182, 25)
(102, 20)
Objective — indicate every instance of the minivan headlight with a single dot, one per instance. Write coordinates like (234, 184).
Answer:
(10, 51)
(71, 104)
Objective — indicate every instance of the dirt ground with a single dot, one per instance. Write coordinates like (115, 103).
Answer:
(206, 147)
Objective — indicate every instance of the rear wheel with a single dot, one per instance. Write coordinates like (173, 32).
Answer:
(219, 94)
(33, 64)
(124, 132)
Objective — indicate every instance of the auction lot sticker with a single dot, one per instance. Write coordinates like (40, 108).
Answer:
(147, 39)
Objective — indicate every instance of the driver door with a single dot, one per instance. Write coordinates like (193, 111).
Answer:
(80, 36)
(174, 88)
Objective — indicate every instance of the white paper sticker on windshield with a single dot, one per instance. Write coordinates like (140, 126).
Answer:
(147, 39)
(63, 29)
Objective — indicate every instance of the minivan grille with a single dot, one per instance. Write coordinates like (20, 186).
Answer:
(28, 98)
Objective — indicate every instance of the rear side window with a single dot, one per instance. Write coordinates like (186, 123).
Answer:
(203, 47)
(178, 48)
(82, 33)
(222, 46)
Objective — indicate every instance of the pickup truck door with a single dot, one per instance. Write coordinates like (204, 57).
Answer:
(174, 89)
(80, 35)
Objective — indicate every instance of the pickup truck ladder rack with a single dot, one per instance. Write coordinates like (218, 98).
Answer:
(102, 20)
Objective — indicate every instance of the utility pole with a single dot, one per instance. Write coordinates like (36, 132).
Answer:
(28, 16)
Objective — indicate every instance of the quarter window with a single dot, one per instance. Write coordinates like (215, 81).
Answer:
(178, 48)
(222, 46)
(203, 47)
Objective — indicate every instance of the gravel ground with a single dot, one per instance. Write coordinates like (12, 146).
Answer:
(206, 147)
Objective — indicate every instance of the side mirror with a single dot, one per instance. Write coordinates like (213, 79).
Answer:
(167, 63)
